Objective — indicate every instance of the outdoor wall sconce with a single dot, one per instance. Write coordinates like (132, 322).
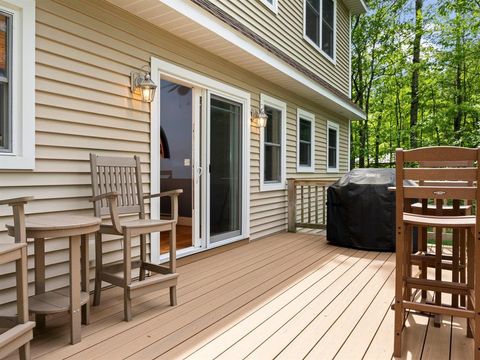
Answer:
(259, 118)
(142, 82)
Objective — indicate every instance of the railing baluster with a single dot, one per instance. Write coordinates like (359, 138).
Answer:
(309, 204)
(301, 204)
(316, 204)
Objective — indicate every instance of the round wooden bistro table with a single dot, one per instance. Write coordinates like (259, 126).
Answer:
(71, 299)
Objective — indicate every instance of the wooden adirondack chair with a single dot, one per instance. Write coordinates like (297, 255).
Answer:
(117, 190)
(16, 334)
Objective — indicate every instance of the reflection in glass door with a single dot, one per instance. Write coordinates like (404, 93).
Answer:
(225, 168)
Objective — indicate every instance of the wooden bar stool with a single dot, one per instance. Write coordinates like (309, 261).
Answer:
(454, 184)
(17, 333)
(454, 262)
(118, 190)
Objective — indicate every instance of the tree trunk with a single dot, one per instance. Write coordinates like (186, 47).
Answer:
(457, 121)
(416, 72)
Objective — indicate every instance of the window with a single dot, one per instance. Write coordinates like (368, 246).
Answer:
(332, 146)
(272, 145)
(17, 84)
(319, 25)
(5, 81)
(271, 4)
(305, 141)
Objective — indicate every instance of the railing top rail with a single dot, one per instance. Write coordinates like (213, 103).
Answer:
(317, 182)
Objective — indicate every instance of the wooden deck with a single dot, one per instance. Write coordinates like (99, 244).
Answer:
(289, 296)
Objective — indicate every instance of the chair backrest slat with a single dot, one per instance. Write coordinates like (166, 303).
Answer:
(120, 175)
(450, 174)
(437, 154)
(440, 192)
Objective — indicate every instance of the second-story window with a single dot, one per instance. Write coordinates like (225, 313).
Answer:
(320, 25)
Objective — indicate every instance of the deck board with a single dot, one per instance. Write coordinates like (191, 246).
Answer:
(288, 296)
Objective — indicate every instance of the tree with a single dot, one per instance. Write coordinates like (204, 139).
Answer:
(415, 72)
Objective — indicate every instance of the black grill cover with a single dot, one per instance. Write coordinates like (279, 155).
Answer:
(361, 210)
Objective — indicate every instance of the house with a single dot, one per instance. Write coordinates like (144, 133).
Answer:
(65, 74)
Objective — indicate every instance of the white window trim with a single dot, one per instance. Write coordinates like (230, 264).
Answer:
(23, 85)
(305, 115)
(336, 127)
(333, 59)
(266, 100)
(273, 6)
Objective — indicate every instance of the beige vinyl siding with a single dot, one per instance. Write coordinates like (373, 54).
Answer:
(85, 52)
(285, 31)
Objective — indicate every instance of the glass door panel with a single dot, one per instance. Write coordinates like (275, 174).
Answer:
(176, 154)
(225, 171)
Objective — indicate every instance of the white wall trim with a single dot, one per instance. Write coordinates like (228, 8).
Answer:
(350, 54)
(349, 144)
(209, 21)
(271, 6)
(266, 100)
(23, 85)
(302, 114)
(335, 126)
(161, 68)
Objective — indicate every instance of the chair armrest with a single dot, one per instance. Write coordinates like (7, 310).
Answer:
(175, 192)
(111, 198)
(107, 196)
(16, 201)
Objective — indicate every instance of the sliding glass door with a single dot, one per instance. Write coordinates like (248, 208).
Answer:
(225, 169)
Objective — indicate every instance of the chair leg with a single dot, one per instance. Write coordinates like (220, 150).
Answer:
(455, 263)
(173, 295)
(143, 255)
(438, 272)
(463, 264)
(423, 232)
(397, 350)
(24, 352)
(407, 292)
(127, 274)
(98, 269)
(476, 241)
(470, 279)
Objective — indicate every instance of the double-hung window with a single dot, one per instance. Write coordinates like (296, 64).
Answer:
(319, 25)
(305, 141)
(17, 84)
(272, 145)
(332, 146)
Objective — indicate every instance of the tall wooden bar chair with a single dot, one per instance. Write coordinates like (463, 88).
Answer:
(454, 261)
(440, 183)
(16, 333)
(117, 191)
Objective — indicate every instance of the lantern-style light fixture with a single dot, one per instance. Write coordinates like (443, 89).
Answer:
(142, 82)
(259, 118)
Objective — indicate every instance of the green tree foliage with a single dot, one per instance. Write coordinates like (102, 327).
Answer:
(448, 72)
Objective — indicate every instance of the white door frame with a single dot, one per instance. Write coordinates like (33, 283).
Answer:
(159, 69)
